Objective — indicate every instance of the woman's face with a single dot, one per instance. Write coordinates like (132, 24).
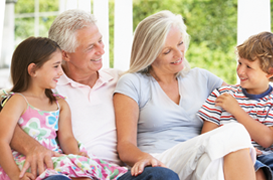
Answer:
(170, 60)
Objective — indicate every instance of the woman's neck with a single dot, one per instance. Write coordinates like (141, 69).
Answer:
(163, 78)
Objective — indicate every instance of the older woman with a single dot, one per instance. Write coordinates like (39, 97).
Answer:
(156, 104)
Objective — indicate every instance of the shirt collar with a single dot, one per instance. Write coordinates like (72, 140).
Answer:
(104, 77)
(257, 96)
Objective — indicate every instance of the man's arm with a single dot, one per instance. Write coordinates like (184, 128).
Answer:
(36, 154)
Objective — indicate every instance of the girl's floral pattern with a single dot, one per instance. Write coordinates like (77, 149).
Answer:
(42, 126)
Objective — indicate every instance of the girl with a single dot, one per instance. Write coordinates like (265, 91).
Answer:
(35, 69)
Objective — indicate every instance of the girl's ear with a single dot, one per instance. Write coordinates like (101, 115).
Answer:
(31, 69)
(65, 56)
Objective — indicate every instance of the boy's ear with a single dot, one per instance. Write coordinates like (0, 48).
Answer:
(270, 73)
(65, 56)
(31, 69)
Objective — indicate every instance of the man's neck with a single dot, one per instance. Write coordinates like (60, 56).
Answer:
(88, 79)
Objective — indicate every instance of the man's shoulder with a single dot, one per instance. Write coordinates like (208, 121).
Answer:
(115, 73)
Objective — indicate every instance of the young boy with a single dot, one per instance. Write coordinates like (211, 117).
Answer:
(249, 103)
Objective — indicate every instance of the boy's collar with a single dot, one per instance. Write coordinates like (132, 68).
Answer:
(257, 96)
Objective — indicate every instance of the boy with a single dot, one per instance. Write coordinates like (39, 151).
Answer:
(249, 103)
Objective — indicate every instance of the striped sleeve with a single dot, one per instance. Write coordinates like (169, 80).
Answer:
(209, 111)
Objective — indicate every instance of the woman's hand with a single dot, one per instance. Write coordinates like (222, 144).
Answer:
(148, 161)
(27, 176)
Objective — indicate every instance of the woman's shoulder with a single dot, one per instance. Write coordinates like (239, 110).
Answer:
(135, 77)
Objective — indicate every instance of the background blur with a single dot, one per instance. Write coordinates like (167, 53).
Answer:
(212, 25)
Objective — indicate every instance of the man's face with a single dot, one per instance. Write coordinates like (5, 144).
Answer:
(87, 57)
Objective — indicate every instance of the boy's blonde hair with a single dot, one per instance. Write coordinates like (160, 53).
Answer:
(259, 47)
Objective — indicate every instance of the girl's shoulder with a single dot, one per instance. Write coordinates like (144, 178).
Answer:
(61, 100)
(14, 101)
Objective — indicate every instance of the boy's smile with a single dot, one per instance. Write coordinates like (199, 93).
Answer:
(252, 77)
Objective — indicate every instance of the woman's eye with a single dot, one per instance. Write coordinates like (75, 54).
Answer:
(181, 43)
(167, 52)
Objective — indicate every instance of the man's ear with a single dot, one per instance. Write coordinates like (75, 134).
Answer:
(31, 69)
(65, 56)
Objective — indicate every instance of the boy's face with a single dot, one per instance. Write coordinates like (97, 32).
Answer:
(252, 77)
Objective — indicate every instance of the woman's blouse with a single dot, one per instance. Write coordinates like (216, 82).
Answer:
(162, 123)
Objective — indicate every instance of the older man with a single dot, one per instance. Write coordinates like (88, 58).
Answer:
(89, 92)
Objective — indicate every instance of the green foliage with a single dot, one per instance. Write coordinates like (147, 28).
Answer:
(24, 27)
(211, 24)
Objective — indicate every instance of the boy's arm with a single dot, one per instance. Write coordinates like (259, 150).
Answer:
(208, 126)
(260, 133)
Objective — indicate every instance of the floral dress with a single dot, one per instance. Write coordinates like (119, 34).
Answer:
(42, 126)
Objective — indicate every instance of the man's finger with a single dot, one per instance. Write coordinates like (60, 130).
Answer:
(41, 166)
(55, 154)
(48, 162)
(33, 166)
(24, 169)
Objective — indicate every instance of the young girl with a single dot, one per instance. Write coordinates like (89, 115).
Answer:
(35, 69)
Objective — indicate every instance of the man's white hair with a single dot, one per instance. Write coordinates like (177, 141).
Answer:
(64, 28)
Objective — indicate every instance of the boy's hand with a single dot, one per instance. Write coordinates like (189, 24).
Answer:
(258, 152)
(227, 102)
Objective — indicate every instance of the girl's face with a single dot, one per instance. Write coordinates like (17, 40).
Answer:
(170, 60)
(47, 76)
(252, 77)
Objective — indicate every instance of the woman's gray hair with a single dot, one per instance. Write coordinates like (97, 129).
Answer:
(64, 28)
(149, 39)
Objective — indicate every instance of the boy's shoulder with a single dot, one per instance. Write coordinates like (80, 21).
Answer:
(230, 88)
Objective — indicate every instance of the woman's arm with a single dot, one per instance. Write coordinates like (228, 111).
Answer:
(66, 138)
(9, 117)
(127, 114)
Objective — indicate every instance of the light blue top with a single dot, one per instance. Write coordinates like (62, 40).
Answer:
(162, 123)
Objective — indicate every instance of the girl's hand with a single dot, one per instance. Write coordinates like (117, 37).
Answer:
(27, 176)
(83, 154)
(140, 165)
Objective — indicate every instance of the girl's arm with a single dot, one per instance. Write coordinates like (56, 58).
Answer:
(66, 138)
(208, 126)
(127, 114)
(260, 133)
(9, 117)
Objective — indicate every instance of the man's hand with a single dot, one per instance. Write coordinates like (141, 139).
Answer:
(27, 176)
(39, 157)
